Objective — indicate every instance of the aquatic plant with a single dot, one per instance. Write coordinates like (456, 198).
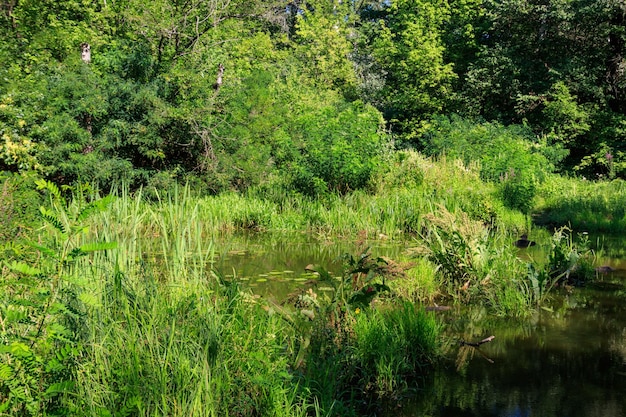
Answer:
(394, 346)
(477, 265)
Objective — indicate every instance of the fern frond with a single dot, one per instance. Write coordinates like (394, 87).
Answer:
(98, 246)
(6, 372)
(52, 189)
(43, 249)
(59, 388)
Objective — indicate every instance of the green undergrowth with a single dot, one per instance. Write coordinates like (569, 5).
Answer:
(122, 314)
(393, 207)
(595, 207)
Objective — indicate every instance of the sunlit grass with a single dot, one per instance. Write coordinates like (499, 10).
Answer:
(583, 205)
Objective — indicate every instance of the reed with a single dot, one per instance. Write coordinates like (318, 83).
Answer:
(141, 327)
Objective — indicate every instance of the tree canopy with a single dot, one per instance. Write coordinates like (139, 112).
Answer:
(312, 92)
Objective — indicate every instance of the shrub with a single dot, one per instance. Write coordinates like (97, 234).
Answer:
(509, 156)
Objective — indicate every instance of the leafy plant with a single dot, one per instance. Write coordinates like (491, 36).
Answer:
(41, 306)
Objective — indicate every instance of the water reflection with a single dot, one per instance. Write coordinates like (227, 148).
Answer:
(568, 363)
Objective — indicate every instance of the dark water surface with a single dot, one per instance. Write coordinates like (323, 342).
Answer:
(568, 360)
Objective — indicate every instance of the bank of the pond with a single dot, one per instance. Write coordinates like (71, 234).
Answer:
(585, 206)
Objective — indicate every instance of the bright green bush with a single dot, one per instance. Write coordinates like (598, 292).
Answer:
(19, 205)
(508, 156)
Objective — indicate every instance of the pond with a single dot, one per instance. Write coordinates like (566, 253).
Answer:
(568, 360)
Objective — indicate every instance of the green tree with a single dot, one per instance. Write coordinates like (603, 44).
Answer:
(406, 44)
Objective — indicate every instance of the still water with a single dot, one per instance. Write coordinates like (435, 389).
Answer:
(568, 360)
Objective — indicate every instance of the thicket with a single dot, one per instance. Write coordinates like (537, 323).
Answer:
(313, 93)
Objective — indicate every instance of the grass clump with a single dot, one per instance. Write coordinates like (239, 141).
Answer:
(479, 265)
(394, 345)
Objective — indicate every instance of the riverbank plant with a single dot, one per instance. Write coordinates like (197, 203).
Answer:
(480, 265)
(42, 304)
(362, 344)
(583, 205)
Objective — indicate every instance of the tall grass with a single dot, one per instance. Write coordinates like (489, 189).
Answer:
(166, 336)
(394, 207)
(395, 344)
(583, 205)
(163, 335)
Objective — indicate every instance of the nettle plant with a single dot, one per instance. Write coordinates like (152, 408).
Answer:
(42, 304)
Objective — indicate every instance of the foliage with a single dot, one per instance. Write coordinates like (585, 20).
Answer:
(507, 155)
(584, 206)
(476, 265)
(19, 206)
(391, 346)
(548, 64)
(353, 349)
(406, 46)
(568, 263)
(42, 310)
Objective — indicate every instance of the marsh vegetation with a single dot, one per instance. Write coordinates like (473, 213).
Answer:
(118, 304)
(153, 153)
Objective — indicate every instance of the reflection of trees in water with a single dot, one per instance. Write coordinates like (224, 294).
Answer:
(618, 346)
(571, 363)
(537, 383)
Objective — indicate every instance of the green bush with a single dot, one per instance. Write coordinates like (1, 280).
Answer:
(509, 156)
(19, 205)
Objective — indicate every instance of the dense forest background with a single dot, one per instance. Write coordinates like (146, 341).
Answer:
(315, 95)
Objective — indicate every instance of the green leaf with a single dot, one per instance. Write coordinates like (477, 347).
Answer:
(89, 299)
(23, 268)
(43, 249)
(98, 246)
(51, 218)
(51, 188)
(96, 206)
(6, 372)
(17, 349)
(59, 388)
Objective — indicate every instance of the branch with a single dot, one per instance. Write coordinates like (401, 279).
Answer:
(476, 344)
